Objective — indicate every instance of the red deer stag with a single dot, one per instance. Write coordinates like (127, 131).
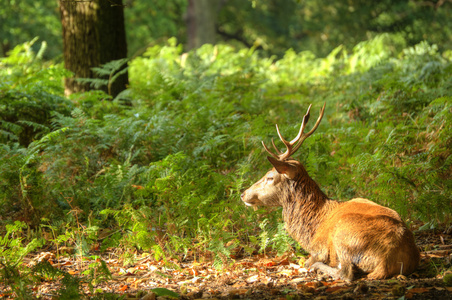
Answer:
(343, 238)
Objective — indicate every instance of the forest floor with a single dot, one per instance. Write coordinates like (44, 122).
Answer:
(257, 277)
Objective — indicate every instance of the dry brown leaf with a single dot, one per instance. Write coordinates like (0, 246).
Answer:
(418, 290)
(266, 263)
(252, 279)
(297, 280)
(246, 264)
(5, 294)
(123, 288)
(287, 273)
(295, 266)
(141, 267)
(193, 272)
(238, 292)
(131, 280)
(335, 289)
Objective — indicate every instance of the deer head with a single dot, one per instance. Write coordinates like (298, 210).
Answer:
(267, 191)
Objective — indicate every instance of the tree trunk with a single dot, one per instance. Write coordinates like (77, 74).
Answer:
(93, 34)
(201, 18)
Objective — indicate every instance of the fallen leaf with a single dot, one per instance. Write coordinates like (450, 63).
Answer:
(123, 288)
(193, 272)
(419, 290)
(196, 264)
(336, 289)
(287, 273)
(252, 279)
(313, 284)
(284, 262)
(269, 264)
(301, 261)
(297, 280)
(247, 264)
(238, 292)
(295, 266)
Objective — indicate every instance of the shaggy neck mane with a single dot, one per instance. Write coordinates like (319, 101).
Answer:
(304, 208)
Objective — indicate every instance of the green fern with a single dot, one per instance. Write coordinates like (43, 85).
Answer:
(106, 74)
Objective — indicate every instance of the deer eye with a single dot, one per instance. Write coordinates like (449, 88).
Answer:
(269, 179)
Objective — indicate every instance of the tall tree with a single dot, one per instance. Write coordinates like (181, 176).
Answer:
(93, 34)
(201, 19)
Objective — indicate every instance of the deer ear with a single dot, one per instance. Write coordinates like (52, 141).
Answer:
(284, 168)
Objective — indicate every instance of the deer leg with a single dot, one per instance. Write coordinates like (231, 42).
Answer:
(321, 257)
(325, 269)
(309, 262)
(345, 273)
(379, 272)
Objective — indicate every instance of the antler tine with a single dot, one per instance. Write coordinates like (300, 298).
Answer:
(298, 140)
(306, 135)
(287, 143)
(280, 155)
(303, 125)
(290, 149)
(276, 149)
(269, 152)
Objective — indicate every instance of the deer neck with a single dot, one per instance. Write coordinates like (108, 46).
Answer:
(304, 208)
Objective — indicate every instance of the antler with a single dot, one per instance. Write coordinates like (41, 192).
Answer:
(294, 144)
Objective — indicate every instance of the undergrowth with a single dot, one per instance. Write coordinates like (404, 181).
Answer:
(165, 174)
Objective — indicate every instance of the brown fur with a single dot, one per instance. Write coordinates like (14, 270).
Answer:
(342, 237)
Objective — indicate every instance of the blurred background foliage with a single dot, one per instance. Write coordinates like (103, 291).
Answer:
(164, 171)
(272, 25)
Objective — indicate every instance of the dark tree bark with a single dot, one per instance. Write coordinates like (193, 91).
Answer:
(93, 34)
(201, 19)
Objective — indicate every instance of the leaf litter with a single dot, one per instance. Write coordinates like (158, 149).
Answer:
(254, 277)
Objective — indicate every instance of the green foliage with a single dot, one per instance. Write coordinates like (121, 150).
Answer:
(150, 23)
(275, 238)
(11, 249)
(410, 149)
(313, 25)
(29, 94)
(37, 18)
(14, 274)
(96, 273)
(164, 175)
(162, 292)
(106, 74)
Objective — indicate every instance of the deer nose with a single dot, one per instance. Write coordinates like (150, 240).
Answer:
(242, 195)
